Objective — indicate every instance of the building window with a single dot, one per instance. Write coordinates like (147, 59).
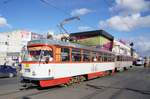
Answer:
(65, 54)
(76, 55)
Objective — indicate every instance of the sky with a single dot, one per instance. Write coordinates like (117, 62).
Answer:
(128, 20)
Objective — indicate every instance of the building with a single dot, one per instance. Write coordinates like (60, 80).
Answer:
(11, 44)
(121, 48)
(97, 38)
(3, 47)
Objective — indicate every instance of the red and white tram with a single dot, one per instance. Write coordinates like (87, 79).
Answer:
(51, 62)
(123, 62)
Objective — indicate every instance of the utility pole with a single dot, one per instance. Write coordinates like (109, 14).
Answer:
(132, 50)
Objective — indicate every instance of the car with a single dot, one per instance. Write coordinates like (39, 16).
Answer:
(139, 62)
(7, 71)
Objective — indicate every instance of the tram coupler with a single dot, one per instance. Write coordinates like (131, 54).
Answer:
(25, 84)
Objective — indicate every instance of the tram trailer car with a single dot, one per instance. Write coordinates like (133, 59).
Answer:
(123, 62)
(48, 63)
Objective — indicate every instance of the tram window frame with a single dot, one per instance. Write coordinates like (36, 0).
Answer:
(105, 57)
(126, 58)
(121, 59)
(86, 56)
(113, 58)
(76, 55)
(102, 54)
(118, 58)
(43, 56)
(94, 56)
(99, 58)
(67, 59)
(109, 57)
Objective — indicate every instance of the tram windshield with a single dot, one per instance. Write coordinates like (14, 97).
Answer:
(38, 54)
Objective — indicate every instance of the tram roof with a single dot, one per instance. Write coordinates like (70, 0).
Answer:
(63, 43)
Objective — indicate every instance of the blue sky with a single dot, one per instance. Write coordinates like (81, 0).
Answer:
(125, 19)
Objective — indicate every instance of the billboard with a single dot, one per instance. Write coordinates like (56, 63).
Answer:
(36, 36)
(98, 42)
(97, 38)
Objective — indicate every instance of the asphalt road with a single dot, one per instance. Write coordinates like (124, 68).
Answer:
(131, 84)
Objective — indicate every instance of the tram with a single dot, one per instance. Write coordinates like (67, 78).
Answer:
(51, 62)
(123, 62)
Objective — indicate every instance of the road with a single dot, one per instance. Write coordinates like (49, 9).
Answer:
(131, 84)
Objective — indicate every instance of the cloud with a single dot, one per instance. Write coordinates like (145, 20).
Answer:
(129, 15)
(81, 11)
(142, 45)
(126, 23)
(130, 6)
(84, 28)
(3, 22)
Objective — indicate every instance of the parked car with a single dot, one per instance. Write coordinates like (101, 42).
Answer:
(7, 71)
(139, 62)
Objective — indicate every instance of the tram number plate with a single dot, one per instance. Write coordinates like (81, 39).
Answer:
(27, 70)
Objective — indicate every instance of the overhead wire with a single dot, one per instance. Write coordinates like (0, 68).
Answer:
(52, 5)
(65, 12)
(59, 9)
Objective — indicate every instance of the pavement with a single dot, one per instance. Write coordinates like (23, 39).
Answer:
(131, 84)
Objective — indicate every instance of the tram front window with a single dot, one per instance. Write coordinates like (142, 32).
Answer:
(46, 56)
(43, 55)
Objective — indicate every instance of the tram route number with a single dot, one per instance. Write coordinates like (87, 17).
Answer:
(27, 70)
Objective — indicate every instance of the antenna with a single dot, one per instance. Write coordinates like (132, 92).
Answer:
(67, 20)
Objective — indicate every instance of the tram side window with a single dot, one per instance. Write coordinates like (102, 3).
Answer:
(86, 56)
(109, 57)
(65, 54)
(47, 55)
(113, 58)
(76, 55)
(121, 58)
(102, 56)
(128, 59)
(94, 57)
(118, 58)
(105, 58)
(99, 57)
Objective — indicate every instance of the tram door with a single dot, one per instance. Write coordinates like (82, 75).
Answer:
(94, 62)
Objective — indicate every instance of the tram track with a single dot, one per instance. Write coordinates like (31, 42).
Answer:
(12, 92)
(41, 91)
(19, 90)
(27, 93)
